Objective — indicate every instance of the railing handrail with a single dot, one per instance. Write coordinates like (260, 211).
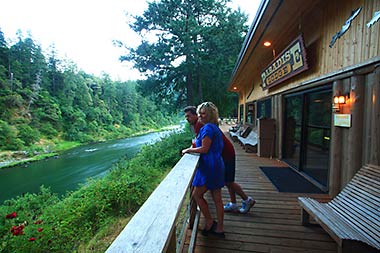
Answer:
(151, 228)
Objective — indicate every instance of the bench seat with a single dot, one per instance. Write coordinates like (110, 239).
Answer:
(236, 132)
(235, 128)
(352, 218)
(243, 131)
(249, 143)
(251, 138)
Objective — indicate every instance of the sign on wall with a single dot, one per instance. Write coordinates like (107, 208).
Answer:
(342, 120)
(289, 63)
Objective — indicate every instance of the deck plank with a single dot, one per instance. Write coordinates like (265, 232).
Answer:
(272, 225)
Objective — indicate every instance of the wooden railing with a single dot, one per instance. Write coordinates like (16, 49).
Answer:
(153, 227)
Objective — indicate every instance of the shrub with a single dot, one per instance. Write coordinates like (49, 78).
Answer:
(46, 224)
(28, 135)
(48, 130)
(8, 138)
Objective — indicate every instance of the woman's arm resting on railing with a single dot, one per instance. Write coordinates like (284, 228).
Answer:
(206, 144)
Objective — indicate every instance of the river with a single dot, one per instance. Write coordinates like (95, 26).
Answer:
(71, 168)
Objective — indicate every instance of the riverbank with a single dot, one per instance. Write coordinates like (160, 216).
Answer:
(50, 148)
(47, 222)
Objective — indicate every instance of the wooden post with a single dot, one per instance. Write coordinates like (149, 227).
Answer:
(172, 247)
(355, 133)
(375, 117)
(279, 126)
(194, 232)
(335, 150)
(193, 209)
(305, 217)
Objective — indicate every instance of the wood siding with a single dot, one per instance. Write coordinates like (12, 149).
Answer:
(351, 66)
(318, 25)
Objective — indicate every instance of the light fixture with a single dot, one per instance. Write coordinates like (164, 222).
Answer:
(340, 99)
(267, 43)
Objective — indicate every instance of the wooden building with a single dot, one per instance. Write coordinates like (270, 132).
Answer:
(297, 59)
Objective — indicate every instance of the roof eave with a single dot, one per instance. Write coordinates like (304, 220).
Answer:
(248, 38)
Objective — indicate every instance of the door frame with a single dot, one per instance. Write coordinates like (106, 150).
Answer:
(303, 138)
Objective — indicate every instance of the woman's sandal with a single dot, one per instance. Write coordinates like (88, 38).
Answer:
(205, 231)
(217, 234)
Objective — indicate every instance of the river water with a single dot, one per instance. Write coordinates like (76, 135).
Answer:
(71, 168)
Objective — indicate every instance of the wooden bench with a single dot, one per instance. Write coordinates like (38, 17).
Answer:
(249, 143)
(236, 131)
(243, 132)
(235, 128)
(352, 218)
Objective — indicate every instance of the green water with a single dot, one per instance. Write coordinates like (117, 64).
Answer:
(71, 168)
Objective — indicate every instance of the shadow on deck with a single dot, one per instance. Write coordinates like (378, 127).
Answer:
(272, 225)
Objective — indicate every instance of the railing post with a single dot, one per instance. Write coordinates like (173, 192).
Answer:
(172, 247)
(193, 209)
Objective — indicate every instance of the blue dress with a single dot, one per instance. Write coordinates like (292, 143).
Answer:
(210, 171)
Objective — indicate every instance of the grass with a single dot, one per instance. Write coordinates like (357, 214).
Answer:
(106, 235)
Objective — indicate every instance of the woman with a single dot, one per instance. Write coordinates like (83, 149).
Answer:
(210, 172)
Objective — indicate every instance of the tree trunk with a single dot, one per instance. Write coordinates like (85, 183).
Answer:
(189, 89)
(200, 93)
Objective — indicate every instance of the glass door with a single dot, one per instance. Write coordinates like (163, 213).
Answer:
(318, 131)
(307, 133)
(293, 129)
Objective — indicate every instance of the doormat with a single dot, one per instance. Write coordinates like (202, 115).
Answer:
(287, 180)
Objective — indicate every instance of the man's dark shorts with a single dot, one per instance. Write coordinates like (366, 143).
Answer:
(229, 171)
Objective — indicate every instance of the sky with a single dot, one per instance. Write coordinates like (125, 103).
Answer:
(83, 30)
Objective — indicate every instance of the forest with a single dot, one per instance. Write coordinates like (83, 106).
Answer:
(43, 98)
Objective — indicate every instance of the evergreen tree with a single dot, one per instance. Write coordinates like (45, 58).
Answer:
(192, 57)
(4, 51)
(55, 76)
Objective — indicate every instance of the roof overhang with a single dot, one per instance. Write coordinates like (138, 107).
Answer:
(276, 21)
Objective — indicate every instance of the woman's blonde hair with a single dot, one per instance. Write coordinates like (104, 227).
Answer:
(211, 112)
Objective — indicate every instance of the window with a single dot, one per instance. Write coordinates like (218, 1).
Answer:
(264, 108)
(241, 113)
(250, 116)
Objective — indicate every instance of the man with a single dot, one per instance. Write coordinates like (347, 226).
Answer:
(228, 155)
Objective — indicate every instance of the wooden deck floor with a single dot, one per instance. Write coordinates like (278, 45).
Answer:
(272, 225)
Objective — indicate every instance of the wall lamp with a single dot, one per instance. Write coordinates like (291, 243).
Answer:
(339, 100)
